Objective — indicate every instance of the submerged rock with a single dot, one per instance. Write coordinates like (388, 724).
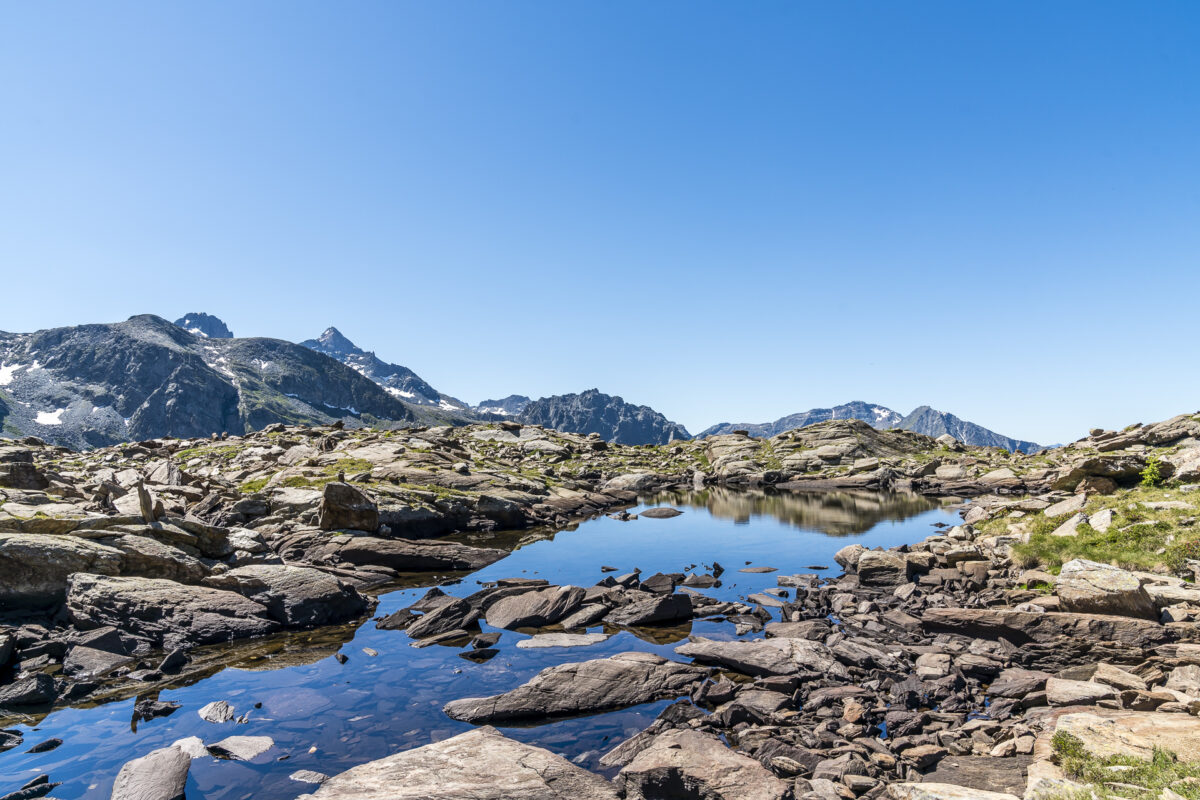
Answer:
(481, 764)
(160, 775)
(241, 748)
(622, 680)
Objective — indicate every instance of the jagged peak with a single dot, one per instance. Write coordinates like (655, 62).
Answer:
(206, 326)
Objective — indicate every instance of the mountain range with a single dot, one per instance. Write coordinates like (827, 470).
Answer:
(94, 385)
(922, 419)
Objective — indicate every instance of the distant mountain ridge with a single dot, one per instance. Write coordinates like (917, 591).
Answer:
(509, 406)
(400, 382)
(923, 419)
(875, 415)
(932, 422)
(610, 417)
(94, 385)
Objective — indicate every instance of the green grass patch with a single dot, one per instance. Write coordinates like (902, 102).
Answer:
(256, 485)
(1139, 538)
(1163, 771)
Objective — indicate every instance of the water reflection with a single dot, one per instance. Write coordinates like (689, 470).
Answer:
(841, 513)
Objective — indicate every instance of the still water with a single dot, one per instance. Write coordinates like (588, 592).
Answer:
(326, 716)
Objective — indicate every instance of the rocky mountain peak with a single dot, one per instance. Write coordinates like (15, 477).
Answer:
(204, 325)
(610, 416)
(333, 342)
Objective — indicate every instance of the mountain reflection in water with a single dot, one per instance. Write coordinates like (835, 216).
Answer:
(842, 513)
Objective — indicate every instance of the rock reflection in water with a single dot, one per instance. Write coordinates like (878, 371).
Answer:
(842, 513)
(279, 651)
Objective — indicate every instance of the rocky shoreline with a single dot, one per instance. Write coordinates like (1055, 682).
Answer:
(944, 663)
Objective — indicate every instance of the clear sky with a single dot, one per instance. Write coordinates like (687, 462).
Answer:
(728, 211)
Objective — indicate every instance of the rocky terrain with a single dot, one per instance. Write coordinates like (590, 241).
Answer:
(921, 420)
(609, 417)
(1031, 651)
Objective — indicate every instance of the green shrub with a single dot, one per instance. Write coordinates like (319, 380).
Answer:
(1151, 475)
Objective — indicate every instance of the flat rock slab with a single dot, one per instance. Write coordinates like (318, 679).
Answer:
(1051, 627)
(1061, 692)
(625, 679)
(985, 773)
(160, 775)
(562, 640)
(780, 656)
(535, 609)
(942, 791)
(481, 764)
(164, 611)
(758, 570)
(704, 765)
(1110, 733)
(241, 748)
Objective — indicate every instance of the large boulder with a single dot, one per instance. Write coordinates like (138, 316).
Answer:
(167, 613)
(883, 568)
(294, 596)
(481, 764)
(1092, 588)
(684, 763)
(653, 611)
(147, 557)
(779, 656)
(632, 482)
(535, 609)
(160, 775)
(34, 567)
(1062, 638)
(1123, 468)
(625, 679)
(345, 507)
(1061, 692)
(17, 470)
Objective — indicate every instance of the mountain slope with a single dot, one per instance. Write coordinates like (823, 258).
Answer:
(611, 417)
(922, 420)
(400, 382)
(876, 416)
(93, 385)
(936, 423)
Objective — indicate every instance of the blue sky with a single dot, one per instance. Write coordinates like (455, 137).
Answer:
(727, 211)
